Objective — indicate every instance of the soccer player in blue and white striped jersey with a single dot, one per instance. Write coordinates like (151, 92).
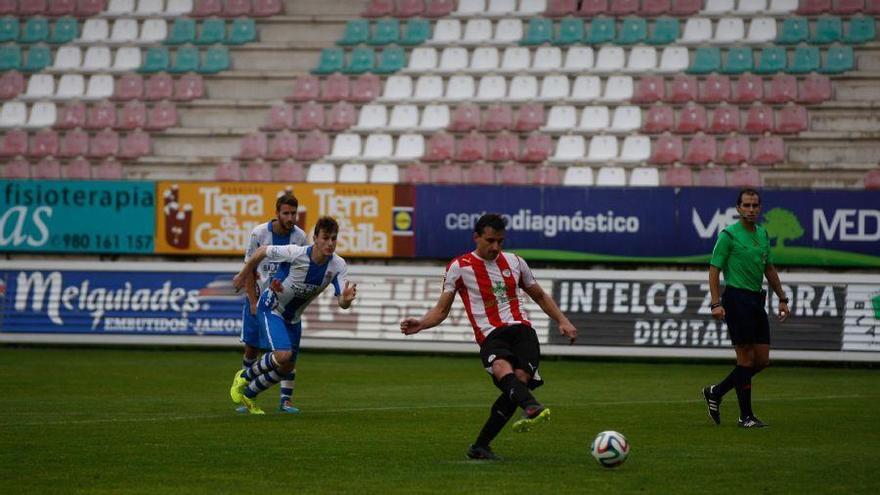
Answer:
(305, 271)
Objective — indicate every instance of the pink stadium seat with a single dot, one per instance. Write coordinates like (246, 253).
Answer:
(514, 174)
(15, 142)
(725, 119)
(59, 8)
(417, 173)
(439, 8)
(560, 8)
(465, 117)
(47, 168)
(78, 168)
(159, 87)
(653, 8)
(128, 87)
(678, 177)
(734, 150)
(314, 145)
(252, 146)
(537, 148)
(691, 119)
(135, 145)
(44, 143)
(666, 150)
(258, 171)
(872, 7)
(498, 117)
(768, 151)
(650, 89)
(529, 117)
(290, 171)
(365, 88)
(28, 8)
(686, 8)
(872, 179)
(744, 176)
(305, 88)
(623, 7)
(847, 7)
(480, 173)
(229, 171)
(310, 116)
(267, 8)
(713, 177)
(791, 120)
(283, 146)
(592, 8)
(341, 116)
(379, 8)
(89, 8)
(335, 88)
(101, 115)
(682, 90)
(439, 147)
(8, 7)
(783, 88)
(11, 85)
(448, 173)
(280, 117)
(471, 148)
(813, 7)
(103, 144)
(133, 116)
(17, 168)
(659, 119)
(162, 116)
(548, 176)
(701, 150)
(74, 143)
(207, 8)
(715, 89)
(814, 89)
(410, 8)
(503, 148)
(759, 120)
(236, 8)
(749, 88)
(189, 87)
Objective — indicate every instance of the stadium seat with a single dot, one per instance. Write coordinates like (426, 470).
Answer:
(94, 31)
(547, 59)
(372, 117)
(516, 59)
(484, 59)
(659, 119)
(618, 89)
(685, 8)
(706, 60)
(683, 89)
(537, 148)
(103, 144)
(635, 149)
(529, 118)
(712, 177)
(11, 85)
(729, 30)
(43, 114)
(500, 117)
(252, 145)
(398, 87)
(175, 8)
(439, 147)
(717, 7)
(814, 89)
(428, 88)
(162, 116)
(633, 30)
(378, 8)
(715, 89)
(738, 60)
(385, 31)
(305, 88)
(626, 118)
(749, 88)
(410, 8)
(447, 174)
(74, 143)
(97, 59)
(750, 7)
(611, 177)
(555, 87)
(560, 8)
(466, 117)
(828, 29)
(592, 8)
(813, 7)
(242, 31)
(455, 58)
(35, 30)
(744, 177)
(409, 147)
(133, 116)
(794, 30)
(701, 150)
(42, 86)
(100, 87)
(641, 59)
(365, 88)
(232, 8)
(508, 31)
(792, 119)
(280, 117)
(403, 117)
(602, 149)
(761, 30)
(446, 31)
(332, 60)
(65, 30)
(470, 8)
(503, 147)
(309, 116)
(523, 88)
(653, 8)
(759, 120)
(212, 31)
(417, 173)
(491, 88)
(415, 32)
(124, 31)
(805, 59)
(725, 119)
(439, 8)
(697, 30)
(15, 142)
(282, 146)
(578, 176)
(783, 88)
(353, 173)
(571, 31)
(594, 119)
(860, 29)
(378, 147)
(434, 118)
(674, 59)
(258, 171)
(644, 177)
(10, 57)
(216, 60)
(228, 171)
(422, 59)
(691, 119)
(623, 7)
(665, 30)
(357, 31)
(128, 59)
(158, 87)
(47, 168)
(291, 171)
(38, 58)
(362, 59)
(602, 30)
(515, 174)
(547, 176)
(578, 59)
(773, 59)
(650, 89)
(569, 149)
(188, 87)
(59, 8)
(157, 59)
(71, 116)
(186, 59)
(769, 150)
(135, 145)
(471, 147)
(678, 177)
(101, 115)
(391, 60)
(336, 87)
(872, 179)
(153, 31)
(17, 168)
(734, 150)
(846, 7)
(838, 59)
(527, 8)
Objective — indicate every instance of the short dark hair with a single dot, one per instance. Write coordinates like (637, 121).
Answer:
(328, 225)
(491, 220)
(286, 199)
(749, 191)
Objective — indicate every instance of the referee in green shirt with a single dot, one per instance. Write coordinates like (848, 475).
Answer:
(742, 253)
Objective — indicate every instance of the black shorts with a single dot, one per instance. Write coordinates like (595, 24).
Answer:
(517, 344)
(746, 317)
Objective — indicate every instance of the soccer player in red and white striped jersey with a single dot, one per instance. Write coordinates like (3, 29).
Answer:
(488, 281)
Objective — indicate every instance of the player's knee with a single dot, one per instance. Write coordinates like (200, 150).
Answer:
(283, 358)
(761, 364)
(251, 352)
(522, 376)
(501, 367)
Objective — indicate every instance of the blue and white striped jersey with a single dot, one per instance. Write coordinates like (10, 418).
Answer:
(262, 235)
(302, 280)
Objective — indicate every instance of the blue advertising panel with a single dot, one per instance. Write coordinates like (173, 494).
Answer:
(99, 302)
(77, 216)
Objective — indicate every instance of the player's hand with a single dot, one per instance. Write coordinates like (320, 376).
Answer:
(568, 330)
(409, 326)
(349, 292)
(238, 281)
(276, 286)
(718, 313)
(253, 307)
(783, 311)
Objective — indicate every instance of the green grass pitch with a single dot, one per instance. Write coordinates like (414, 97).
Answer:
(149, 421)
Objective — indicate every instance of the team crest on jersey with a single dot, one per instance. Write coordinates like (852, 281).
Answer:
(505, 272)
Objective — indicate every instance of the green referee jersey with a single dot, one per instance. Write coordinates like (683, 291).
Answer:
(742, 256)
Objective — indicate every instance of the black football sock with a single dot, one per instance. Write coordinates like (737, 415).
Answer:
(744, 391)
(502, 410)
(725, 385)
(517, 391)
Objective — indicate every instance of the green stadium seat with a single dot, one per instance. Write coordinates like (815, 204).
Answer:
(416, 32)
(602, 30)
(213, 31)
(707, 59)
(393, 59)
(838, 59)
(540, 31)
(183, 30)
(363, 59)
(385, 32)
(828, 30)
(8, 29)
(666, 31)
(332, 60)
(739, 60)
(66, 30)
(36, 29)
(38, 58)
(571, 31)
(157, 59)
(186, 59)
(772, 60)
(357, 31)
(243, 30)
(806, 59)
(633, 30)
(861, 29)
(10, 57)
(216, 60)
(794, 30)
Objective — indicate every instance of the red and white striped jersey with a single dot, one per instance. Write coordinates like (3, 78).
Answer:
(489, 290)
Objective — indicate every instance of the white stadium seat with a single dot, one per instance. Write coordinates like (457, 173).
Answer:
(453, 59)
(674, 59)
(397, 87)
(602, 149)
(578, 59)
(491, 88)
(460, 88)
(523, 88)
(516, 59)
(422, 59)
(586, 88)
(345, 146)
(434, 118)
(352, 173)
(409, 147)
(321, 172)
(578, 176)
(484, 59)
(561, 118)
(697, 30)
(404, 117)
(644, 177)
(618, 88)
(611, 176)
(626, 118)
(554, 87)
(384, 173)
(610, 59)
(378, 147)
(635, 149)
(594, 119)
(547, 59)
(569, 149)
(372, 116)
(428, 88)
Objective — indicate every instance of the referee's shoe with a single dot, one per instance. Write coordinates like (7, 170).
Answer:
(713, 404)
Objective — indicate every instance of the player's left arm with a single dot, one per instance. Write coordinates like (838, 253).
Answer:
(776, 285)
(548, 305)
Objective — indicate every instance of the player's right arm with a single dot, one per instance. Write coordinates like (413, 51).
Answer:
(250, 283)
(273, 253)
(432, 318)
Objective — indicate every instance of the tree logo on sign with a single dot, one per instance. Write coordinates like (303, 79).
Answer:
(782, 225)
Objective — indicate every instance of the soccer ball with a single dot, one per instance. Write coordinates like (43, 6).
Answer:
(610, 448)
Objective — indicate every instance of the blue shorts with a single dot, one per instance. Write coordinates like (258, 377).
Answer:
(276, 333)
(250, 327)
